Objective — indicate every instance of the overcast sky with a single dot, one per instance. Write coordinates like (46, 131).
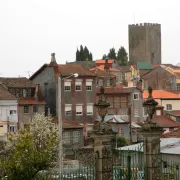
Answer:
(31, 30)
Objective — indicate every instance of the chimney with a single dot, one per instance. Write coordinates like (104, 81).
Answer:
(53, 60)
(106, 67)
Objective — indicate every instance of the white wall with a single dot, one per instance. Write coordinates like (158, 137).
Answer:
(5, 107)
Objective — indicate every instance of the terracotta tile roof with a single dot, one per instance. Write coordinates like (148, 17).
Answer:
(110, 61)
(117, 90)
(30, 101)
(114, 69)
(125, 68)
(5, 94)
(100, 73)
(68, 124)
(165, 122)
(68, 69)
(161, 94)
(173, 113)
(175, 134)
(17, 82)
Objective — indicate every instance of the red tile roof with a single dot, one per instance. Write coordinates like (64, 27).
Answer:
(5, 94)
(165, 122)
(110, 61)
(117, 90)
(31, 101)
(68, 69)
(100, 73)
(161, 94)
(21, 82)
(68, 124)
(174, 113)
(172, 134)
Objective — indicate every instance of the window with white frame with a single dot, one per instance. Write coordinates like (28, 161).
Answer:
(168, 107)
(88, 85)
(136, 112)
(67, 86)
(89, 109)
(136, 96)
(79, 110)
(13, 112)
(76, 136)
(66, 137)
(78, 85)
(68, 110)
(12, 129)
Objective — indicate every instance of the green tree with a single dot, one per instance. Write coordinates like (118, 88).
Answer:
(78, 57)
(112, 53)
(119, 141)
(31, 150)
(90, 56)
(104, 56)
(122, 56)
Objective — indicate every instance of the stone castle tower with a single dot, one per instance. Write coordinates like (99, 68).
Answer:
(145, 43)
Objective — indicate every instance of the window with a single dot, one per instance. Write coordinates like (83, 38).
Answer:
(78, 110)
(136, 96)
(68, 110)
(136, 112)
(24, 92)
(168, 107)
(117, 102)
(26, 109)
(35, 108)
(100, 82)
(28, 92)
(88, 86)
(123, 102)
(89, 109)
(12, 129)
(78, 86)
(13, 112)
(145, 111)
(76, 136)
(178, 86)
(110, 100)
(66, 137)
(67, 86)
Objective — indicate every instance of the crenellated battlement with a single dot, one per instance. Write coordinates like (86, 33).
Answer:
(145, 25)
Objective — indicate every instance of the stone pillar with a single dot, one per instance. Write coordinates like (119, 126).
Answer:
(102, 148)
(152, 157)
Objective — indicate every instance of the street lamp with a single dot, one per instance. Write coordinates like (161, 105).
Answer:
(102, 105)
(150, 104)
(59, 105)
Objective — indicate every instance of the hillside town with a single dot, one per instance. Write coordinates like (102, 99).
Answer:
(69, 93)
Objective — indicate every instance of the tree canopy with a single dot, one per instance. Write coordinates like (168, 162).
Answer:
(83, 54)
(30, 150)
(121, 56)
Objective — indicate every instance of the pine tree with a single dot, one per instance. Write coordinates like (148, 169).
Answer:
(81, 53)
(122, 56)
(78, 55)
(112, 53)
(90, 56)
(86, 54)
(104, 56)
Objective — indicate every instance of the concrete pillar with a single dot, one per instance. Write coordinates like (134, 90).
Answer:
(152, 157)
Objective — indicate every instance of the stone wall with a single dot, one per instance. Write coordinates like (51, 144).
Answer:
(145, 43)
